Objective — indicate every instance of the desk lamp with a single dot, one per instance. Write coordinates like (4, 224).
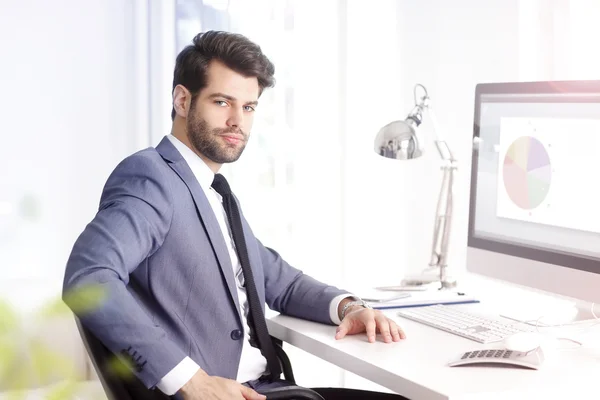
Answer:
(400, 140)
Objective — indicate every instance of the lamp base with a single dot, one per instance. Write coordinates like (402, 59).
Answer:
(429, 280)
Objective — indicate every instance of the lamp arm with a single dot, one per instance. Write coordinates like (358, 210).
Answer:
(440, 140)
(443, 218)
(415, 117)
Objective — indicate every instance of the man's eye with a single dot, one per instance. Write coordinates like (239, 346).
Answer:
(221, 102)
(248, 108)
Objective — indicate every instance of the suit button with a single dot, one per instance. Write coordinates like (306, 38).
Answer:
(236, 334)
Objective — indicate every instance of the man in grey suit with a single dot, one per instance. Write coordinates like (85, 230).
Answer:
(162, 247)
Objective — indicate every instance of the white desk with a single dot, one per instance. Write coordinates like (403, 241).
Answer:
(416, 367)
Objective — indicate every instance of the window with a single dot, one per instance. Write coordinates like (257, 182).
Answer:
(265, 177)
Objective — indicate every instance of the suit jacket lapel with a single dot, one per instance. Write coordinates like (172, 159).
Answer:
(207, 216)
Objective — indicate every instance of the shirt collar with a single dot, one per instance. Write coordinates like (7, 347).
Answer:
(201, 171)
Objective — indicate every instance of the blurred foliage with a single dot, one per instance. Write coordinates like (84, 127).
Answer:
(26, 361)
(84, 300)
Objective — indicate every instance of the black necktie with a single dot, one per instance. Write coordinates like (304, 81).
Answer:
(256, 317)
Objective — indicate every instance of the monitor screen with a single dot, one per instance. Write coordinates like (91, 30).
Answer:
(534, 192)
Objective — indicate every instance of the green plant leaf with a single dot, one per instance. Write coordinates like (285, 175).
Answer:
(64, 390)
(20, 383)
(120, 367)
(81, 300)
(17, 395)
(48, 364)
(8, 357)
(9, 320)
(56, 308)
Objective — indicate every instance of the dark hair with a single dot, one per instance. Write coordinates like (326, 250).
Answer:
(236, 51)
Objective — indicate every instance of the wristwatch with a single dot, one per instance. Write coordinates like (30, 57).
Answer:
(352, 304)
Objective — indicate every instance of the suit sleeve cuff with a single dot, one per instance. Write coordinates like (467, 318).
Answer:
(178, 376)
(335, 304)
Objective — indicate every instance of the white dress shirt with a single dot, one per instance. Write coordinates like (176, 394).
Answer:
(252, 363)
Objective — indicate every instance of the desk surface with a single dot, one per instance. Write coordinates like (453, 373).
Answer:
(417, 367)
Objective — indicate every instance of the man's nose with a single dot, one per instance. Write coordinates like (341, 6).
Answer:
(235, 118)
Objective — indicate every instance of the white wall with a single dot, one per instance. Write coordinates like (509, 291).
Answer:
(67, 116)
(373, 82)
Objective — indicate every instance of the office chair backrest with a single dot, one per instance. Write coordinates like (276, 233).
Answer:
(115, 387)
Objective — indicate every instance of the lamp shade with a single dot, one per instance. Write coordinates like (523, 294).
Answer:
(398, 140)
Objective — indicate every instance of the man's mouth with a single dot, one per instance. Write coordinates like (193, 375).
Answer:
(233, 139)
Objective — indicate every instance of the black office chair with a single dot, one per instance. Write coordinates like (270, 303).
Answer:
(117, 387)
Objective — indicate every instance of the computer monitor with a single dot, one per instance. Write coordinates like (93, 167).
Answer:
(534, 217)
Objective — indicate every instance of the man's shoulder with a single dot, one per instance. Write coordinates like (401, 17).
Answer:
(143, 161)
(144, 173)
(145, 165)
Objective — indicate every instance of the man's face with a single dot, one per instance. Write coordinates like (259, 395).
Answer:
(221, 116)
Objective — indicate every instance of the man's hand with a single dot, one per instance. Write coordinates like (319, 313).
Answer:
(205, 387)
(360, 319)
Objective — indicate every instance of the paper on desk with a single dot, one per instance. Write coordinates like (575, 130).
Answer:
(427, 298)
(377, 296)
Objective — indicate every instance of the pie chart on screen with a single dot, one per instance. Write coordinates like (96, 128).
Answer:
(527, 172)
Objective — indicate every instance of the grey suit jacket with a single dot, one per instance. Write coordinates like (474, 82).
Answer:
(156, 249)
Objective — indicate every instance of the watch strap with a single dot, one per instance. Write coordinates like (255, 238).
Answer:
(352, 304)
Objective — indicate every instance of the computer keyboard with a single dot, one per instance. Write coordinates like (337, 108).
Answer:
(462, 323)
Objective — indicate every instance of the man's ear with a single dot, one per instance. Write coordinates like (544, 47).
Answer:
(182, 100)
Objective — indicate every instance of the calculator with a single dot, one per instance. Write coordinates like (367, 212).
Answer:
(500, 357)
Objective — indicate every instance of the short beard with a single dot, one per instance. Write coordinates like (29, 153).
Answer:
(206, 142)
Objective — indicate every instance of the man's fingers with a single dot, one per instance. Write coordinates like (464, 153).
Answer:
(371, 328)
(371, 322)
(384, 327)
(396, 331)
(250, 394)
(342, 330)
